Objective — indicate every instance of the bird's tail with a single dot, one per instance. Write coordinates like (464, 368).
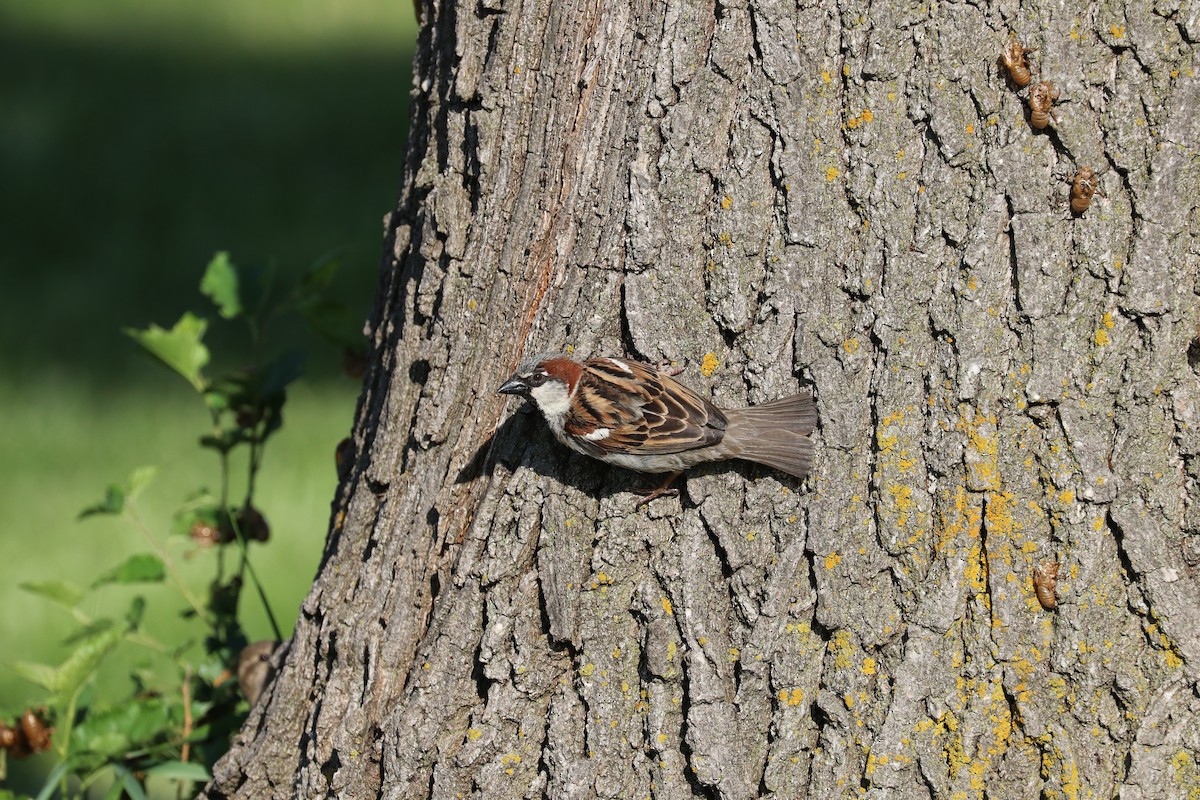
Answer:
(774, 433)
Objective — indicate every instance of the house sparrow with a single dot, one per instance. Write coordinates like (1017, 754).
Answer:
(254, 670)
(633, 415)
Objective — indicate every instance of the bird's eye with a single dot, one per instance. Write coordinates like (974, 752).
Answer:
(537, 378)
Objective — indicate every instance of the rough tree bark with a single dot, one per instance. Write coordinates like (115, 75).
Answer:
(850, 199)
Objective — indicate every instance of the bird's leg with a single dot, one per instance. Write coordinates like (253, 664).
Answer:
(663, 488)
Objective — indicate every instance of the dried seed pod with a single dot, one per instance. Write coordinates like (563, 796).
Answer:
(250, 523)
(1041, 102)
(36, 731)
(10, 739)
(253, 524)
(1013, 58)
(204, 533)
(1083, 186)
(248, 418)
(1045, 584)
(343, 457)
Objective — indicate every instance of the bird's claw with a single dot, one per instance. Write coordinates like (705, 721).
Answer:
(664, 489)
(667, 367)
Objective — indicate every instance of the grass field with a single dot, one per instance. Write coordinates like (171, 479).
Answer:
(138, 137)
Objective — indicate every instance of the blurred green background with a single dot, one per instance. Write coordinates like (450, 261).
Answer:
(138, 137)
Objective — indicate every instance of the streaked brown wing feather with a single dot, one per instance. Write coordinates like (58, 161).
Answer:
(644, 411)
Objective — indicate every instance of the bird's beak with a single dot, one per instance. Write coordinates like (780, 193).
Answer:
(514, 385)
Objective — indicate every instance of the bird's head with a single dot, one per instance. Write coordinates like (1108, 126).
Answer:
(547, 381)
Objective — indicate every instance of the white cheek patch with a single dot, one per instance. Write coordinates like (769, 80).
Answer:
(597, 435)
(551, 398)
(621, 366)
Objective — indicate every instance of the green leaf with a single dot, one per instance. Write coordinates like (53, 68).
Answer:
(256, 288)
(274, 420)
(181, 348)
(139, 479)
(279, 372)
(129, 783)
(116, 496)
(221, 285)
(113, 503)
(317, 279)
(200, 512)
(333, 321)
(236, 291)
(83, 660)
(140, 568)
(116, 731)
(89, 630)
(51, 784)
(217, 399)
(137, 610)
(116, 791)
(224, 441)
(60, 593)
(232, 392)
(213, 666)
(181, 647)
(330, 318)
(43, 675)
(179, 771)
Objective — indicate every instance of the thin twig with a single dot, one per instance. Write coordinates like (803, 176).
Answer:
(249, 567)
(186, 692)
(165, 557)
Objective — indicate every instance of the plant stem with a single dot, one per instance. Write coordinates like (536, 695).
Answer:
(186, 692)
(247, 565)
(165, 557)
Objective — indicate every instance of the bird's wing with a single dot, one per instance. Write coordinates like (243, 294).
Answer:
(629, 407)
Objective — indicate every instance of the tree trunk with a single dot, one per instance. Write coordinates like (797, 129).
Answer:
(852, 200)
